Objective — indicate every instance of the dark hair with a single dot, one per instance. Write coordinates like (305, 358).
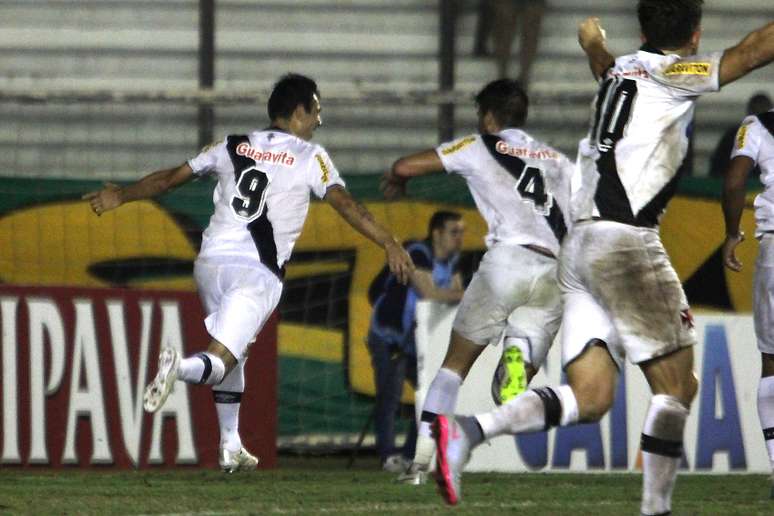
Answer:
(439, 220)
(506, 100)
(758, 103)
(669, 23)
(290, 91)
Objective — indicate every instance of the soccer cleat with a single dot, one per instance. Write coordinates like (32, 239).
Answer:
(396, 463)
(510, 376)
(242, 460)
(158, 390)
(452, 453)
(415, 475)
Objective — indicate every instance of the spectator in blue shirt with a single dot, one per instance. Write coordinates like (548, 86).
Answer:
(391, 336)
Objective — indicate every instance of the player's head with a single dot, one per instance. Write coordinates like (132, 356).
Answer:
(758, 103)
(294, 105)
(501, 103)
(445, 232)
(670, 24)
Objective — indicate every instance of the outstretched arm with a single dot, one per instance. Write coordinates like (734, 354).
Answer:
(422, 281)
(363, 221)
(593, 41)
(112, 196)
(425, 162)
(754, 51)
(733, 205)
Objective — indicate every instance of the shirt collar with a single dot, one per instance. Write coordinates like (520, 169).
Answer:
(647, 47)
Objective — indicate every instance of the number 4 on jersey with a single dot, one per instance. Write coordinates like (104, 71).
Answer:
(532, 188)
(249, 202)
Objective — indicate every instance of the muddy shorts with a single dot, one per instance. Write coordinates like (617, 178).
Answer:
(618, 286)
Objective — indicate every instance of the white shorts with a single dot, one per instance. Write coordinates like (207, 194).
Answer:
(763, 295)
(514, 291)
(618, 286)
(238, 300)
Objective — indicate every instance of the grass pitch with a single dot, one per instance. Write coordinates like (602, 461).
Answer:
(325, 486)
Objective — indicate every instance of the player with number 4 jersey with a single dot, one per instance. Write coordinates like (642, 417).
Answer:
(261, 200)
(521, 186)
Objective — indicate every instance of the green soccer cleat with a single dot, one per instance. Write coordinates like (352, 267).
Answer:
(510, 377)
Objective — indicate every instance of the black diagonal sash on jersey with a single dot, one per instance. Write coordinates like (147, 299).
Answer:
(767, 119)
(260, 229)
(515, 166)
(610, 197)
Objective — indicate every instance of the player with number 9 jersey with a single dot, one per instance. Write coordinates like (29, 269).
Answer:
(261, 201)
(262, 196)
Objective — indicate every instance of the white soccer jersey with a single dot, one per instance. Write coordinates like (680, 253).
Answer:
(755, 139)
(521, 186)
(262, 196)
(639, 135)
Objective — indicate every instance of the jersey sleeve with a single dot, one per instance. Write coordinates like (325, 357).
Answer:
(207, 159)
(323, 173)
(748, 139)
(457, 155)
(420, 257)
(692, 75)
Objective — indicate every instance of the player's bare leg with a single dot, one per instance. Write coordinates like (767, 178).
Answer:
(202, 368)
(674, 385)
(531, 20)
(766, 407)
(442, 395)
(503, 33)
(592, 380)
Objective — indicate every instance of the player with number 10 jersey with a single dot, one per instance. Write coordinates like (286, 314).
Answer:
(629, 164)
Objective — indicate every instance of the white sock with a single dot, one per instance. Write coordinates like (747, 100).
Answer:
(441, 399)
(662, 450)
(532, 411)
(227, 406)
(766, 413)
(228, 398)
(201, 368)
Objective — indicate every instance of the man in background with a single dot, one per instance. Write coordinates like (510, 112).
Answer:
(391, 335)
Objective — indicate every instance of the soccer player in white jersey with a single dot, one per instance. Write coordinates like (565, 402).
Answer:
(261, 200)
(754, 145)
(621, 295)
(521, 186)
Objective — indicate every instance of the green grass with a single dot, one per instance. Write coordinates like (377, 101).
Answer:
(324, 486)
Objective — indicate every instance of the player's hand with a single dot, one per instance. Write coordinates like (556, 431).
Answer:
(107, 199)
(590, 32)
(399, 262)
(392, 186)
(729, 251)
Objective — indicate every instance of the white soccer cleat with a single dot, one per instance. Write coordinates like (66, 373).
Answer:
(415, 475)
(158, 390)
(396, 463)
(242, 460)
(452, 453)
